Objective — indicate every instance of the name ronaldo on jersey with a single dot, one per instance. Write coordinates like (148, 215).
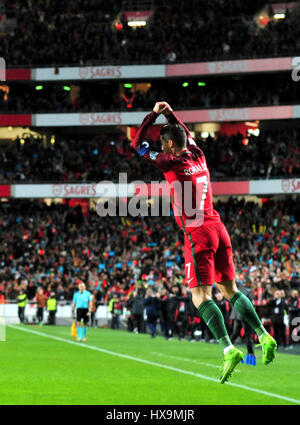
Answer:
(199, 168)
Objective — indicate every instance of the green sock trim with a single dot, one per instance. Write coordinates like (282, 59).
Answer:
(202, 307)
(225, 341)
(235, 297)
(260, 331)
(213, 317)
(246, 309)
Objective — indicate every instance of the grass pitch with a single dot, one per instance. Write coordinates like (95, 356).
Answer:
(45, 366)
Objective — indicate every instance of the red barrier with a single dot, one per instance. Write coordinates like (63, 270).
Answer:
(18, 74)
(15, 120)
(5, 191)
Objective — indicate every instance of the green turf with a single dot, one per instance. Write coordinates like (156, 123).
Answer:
(38, 370)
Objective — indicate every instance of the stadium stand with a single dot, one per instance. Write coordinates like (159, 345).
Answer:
(47, 33)
(91, 159)
(47, 245)
(187, 93)
(55, 247)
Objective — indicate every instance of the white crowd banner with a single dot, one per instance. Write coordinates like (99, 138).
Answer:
(187, 116)
(119, 72)
(106, 72)
(273, 187)
(91, 119)
(230, 67)
(107, 189)
(73, 190)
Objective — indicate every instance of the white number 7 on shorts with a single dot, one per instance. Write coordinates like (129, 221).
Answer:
(188, 265)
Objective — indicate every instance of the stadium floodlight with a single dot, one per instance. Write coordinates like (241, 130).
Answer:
(185, 84)
(39, 87)
(67, 88)
(201, 83)
(128, 86)
(279, 16)
(254, 132)
(136, 23)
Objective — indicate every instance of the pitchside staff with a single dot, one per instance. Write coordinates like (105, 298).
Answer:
(22, 301)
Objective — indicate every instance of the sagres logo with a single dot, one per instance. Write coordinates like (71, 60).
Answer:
(56, 189)
(2, 69)
(285, 184)
(296, 329)
(296, 69)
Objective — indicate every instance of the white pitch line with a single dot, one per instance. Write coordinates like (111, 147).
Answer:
(184, 359)
(163, 366)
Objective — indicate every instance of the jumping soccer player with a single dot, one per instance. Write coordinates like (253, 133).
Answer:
(208, 251)
(82, 302)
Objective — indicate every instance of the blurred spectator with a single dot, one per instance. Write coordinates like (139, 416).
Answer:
(128, 314)
(116, 309)
(173, 305)
(165, 316)
(2, 294)
(40, 304)
(294, 315)
(152, 306)
(278, 307)
(60, 293)
(93, 308)
(182, 313)
(136, 305)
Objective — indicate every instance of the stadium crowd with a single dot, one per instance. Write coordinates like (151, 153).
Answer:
(138, 263)
(247, 91)
(82, 32)
(86, 159)
(55, 247)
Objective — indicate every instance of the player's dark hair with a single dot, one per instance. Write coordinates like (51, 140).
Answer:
(176, 133)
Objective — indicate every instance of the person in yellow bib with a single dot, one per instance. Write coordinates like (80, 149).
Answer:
(51, 307)
(22, 301)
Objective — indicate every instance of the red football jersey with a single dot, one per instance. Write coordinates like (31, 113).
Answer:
(187, 175)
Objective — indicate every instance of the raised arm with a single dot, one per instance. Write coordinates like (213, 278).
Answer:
(141, 145)
(173, 119)
(140, 136)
